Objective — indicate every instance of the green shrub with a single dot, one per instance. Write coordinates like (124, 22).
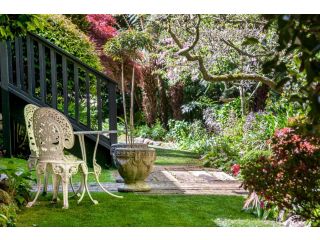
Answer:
(315, 216)
(79, 20)
(189, 136)
(14, 192)
(222, 155)
(156, 132)
(12, 25)
(8, 215)
(251, 158)
(18, 183)
(63, 33)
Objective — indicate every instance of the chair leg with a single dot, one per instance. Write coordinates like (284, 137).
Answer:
(65, 184)
(76, 193)
(30, 204)
(45, 184)
(55, 186)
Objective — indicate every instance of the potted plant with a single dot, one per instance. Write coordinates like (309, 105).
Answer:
(133, 161)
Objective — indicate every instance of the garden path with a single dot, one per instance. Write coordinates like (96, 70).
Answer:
(192, 180)
(177, 179)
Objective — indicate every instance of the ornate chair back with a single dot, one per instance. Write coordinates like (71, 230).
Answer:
(29, 110)
(53, 132)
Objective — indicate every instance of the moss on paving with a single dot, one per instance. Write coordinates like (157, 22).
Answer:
(142, 211)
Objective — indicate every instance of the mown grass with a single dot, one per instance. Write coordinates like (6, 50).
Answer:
(136, 210)
(176, 157)
(140, 210)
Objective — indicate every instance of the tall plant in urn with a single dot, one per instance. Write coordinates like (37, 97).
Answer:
(134, 161)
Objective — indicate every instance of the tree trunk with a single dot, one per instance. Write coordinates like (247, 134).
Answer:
(243, 100)
(131, 108)
(124, 101)
(259, 100)
(163, 103)
(176, 100)
(149, 96)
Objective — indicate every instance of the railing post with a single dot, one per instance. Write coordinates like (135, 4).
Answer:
(5, 78)
(112, 111)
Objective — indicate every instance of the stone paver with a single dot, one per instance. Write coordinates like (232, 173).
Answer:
(192, 180)
(182, 180)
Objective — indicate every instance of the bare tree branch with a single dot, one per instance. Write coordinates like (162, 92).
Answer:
(230, 44)
(189, 48)
(206, 75)
(254, 91)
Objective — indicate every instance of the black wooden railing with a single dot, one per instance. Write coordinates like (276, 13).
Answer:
(41, 73)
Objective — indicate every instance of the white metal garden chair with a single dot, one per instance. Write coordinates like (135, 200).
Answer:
(34, 156)
(53, 132)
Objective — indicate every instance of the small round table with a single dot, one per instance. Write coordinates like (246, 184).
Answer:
(96, 166)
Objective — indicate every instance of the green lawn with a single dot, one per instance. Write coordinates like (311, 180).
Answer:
(142, 211)
(176, 157)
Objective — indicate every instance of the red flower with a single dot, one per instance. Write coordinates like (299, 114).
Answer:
(235, 168)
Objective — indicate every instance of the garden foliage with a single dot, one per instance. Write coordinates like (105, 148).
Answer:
(12, 25)
(63, 33)
(289, 178)
(15, 187)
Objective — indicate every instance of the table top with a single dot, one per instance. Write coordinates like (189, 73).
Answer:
(95, 132)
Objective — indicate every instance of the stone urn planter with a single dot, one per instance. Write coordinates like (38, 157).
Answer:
(134, 163)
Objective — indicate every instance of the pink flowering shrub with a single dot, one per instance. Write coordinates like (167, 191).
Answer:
(289, 178)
